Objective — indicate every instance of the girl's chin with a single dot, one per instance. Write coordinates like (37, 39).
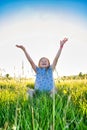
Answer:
(44, 66)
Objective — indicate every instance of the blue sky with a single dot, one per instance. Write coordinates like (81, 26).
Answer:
(74, 6)
(40, 25)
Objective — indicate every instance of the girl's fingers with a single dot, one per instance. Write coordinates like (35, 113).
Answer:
(17, 45)
(65, 39)
(62, 42)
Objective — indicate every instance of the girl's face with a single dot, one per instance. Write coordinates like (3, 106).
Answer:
(44, 63)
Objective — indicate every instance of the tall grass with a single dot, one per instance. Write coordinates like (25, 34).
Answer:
(67, 110)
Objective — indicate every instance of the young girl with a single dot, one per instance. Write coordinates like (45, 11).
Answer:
(44, 71)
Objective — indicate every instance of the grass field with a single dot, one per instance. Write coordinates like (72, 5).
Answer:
(67, 110)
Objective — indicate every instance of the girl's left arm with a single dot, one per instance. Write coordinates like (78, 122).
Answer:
(59, 52)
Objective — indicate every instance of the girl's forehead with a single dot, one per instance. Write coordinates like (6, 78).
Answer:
(43, 59)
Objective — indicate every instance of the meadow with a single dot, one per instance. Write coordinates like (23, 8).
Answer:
(67, 110)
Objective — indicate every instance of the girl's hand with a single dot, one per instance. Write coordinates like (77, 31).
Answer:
(20, 46)
(63, 42)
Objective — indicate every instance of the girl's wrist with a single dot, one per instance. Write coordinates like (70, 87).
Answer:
(61, 46)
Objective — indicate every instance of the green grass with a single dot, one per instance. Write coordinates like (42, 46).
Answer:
(67, 110)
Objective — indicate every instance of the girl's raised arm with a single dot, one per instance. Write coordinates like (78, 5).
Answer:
(28, 57)
(59, 52)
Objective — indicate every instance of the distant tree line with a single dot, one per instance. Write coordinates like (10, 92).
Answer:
(79, 76)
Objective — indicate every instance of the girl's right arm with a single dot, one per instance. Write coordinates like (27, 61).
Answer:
(28, 57)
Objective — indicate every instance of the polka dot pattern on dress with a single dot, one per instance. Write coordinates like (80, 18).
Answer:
(44, 79)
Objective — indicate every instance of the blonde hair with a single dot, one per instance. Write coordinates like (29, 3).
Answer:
(43, 58)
